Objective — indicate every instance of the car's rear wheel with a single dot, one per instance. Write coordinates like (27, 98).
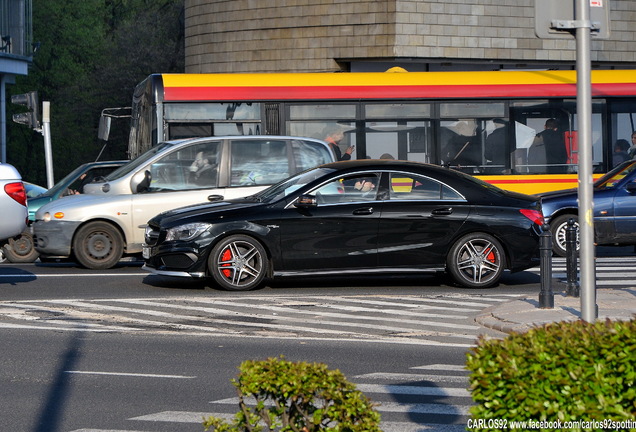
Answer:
(476, 261)
(21, 250)
(238, 263)
(558, 227)
(98, 245)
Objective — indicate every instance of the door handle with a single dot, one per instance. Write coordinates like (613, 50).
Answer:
(215, 198)
(442, 211)
(363, 211)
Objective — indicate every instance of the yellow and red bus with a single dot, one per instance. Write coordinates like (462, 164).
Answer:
(483, 123)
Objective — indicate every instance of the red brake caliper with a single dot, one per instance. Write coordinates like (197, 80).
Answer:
(491, 257)
(227, 256)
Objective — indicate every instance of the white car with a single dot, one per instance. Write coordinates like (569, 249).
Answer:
(13, 202)
(109, 219)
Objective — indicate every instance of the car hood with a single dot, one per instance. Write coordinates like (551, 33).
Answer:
(80, 203)
(559, 193)
(202, 211)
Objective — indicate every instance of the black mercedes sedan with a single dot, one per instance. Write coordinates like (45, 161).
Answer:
(365, 216)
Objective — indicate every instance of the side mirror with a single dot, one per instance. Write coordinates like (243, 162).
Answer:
(104, 127)
(631, 187)
(306, 201)
(141, 182)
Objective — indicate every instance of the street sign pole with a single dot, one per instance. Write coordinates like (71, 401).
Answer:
(48, 152)
(586, 204)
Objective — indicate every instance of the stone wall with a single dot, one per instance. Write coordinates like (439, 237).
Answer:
(329, 35)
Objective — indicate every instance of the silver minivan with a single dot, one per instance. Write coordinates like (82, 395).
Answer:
(108, 220)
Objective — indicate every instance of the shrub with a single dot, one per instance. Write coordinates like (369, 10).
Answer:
(562, 371)
(297, 397)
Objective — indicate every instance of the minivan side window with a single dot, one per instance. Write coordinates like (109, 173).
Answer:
(309, 154)
(258, 162)
(192, 167)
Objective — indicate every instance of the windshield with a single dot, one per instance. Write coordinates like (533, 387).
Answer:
(140, 160)
(63, 184)
(284, 188)
(612, 178)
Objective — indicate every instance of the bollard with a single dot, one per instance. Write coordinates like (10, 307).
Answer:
(572, 286)
(546, 296)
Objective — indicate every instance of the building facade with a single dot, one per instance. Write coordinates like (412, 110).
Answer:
(374, 35)
(16, 52)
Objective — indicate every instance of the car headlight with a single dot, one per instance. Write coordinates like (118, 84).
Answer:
(186, 232)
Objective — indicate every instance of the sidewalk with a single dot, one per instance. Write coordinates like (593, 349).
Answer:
(522, 314)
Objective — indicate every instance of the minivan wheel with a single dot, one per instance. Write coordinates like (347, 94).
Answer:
(238, 263)
(558, 227)
(476, 261)
(21, 250)
(98, 245)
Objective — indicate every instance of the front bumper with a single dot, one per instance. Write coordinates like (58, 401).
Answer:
(54, 238)
(184, 260)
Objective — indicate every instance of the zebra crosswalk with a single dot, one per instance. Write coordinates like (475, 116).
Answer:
(412, 319)
(431, 398)
(611, 272)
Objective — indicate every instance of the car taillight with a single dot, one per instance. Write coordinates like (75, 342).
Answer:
(534, 215)
(17, 192)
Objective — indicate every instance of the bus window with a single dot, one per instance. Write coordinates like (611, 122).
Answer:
(623, 121)
(463, 134)
(398, 131)
(320, 120)
(189, 120)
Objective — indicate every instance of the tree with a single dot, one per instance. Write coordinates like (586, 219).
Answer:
(90, 59)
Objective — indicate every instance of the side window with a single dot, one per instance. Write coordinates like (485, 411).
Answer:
(258, 162)
(77, 187)
(309, 154)
(405, 187)
(359, 187)
(191, 167)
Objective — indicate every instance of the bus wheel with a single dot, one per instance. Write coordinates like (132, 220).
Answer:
(21, 250)
(558, 227)
(238, 263)
(476, 261)
(98, 245)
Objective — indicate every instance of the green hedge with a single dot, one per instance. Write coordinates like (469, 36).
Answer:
(559, 372)
(297, 397)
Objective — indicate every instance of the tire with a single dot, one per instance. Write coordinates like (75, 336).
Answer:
(21, 250)
(238, 263)
(558, 228)
(98, 245)
(476, 261)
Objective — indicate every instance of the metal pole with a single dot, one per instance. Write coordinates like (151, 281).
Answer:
(46, 132)
(546, 295)
(572, 286)
(586, 204)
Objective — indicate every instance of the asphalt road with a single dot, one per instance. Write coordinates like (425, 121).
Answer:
(122, 350)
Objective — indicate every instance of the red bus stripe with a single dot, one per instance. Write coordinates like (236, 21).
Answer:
(386, 92)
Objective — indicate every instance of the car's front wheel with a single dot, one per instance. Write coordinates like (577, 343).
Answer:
(98, 245)
(21, 250)
(558, 227)
(476, 261)
(238, 263)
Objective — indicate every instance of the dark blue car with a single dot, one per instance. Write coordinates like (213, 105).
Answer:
(614, 209)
